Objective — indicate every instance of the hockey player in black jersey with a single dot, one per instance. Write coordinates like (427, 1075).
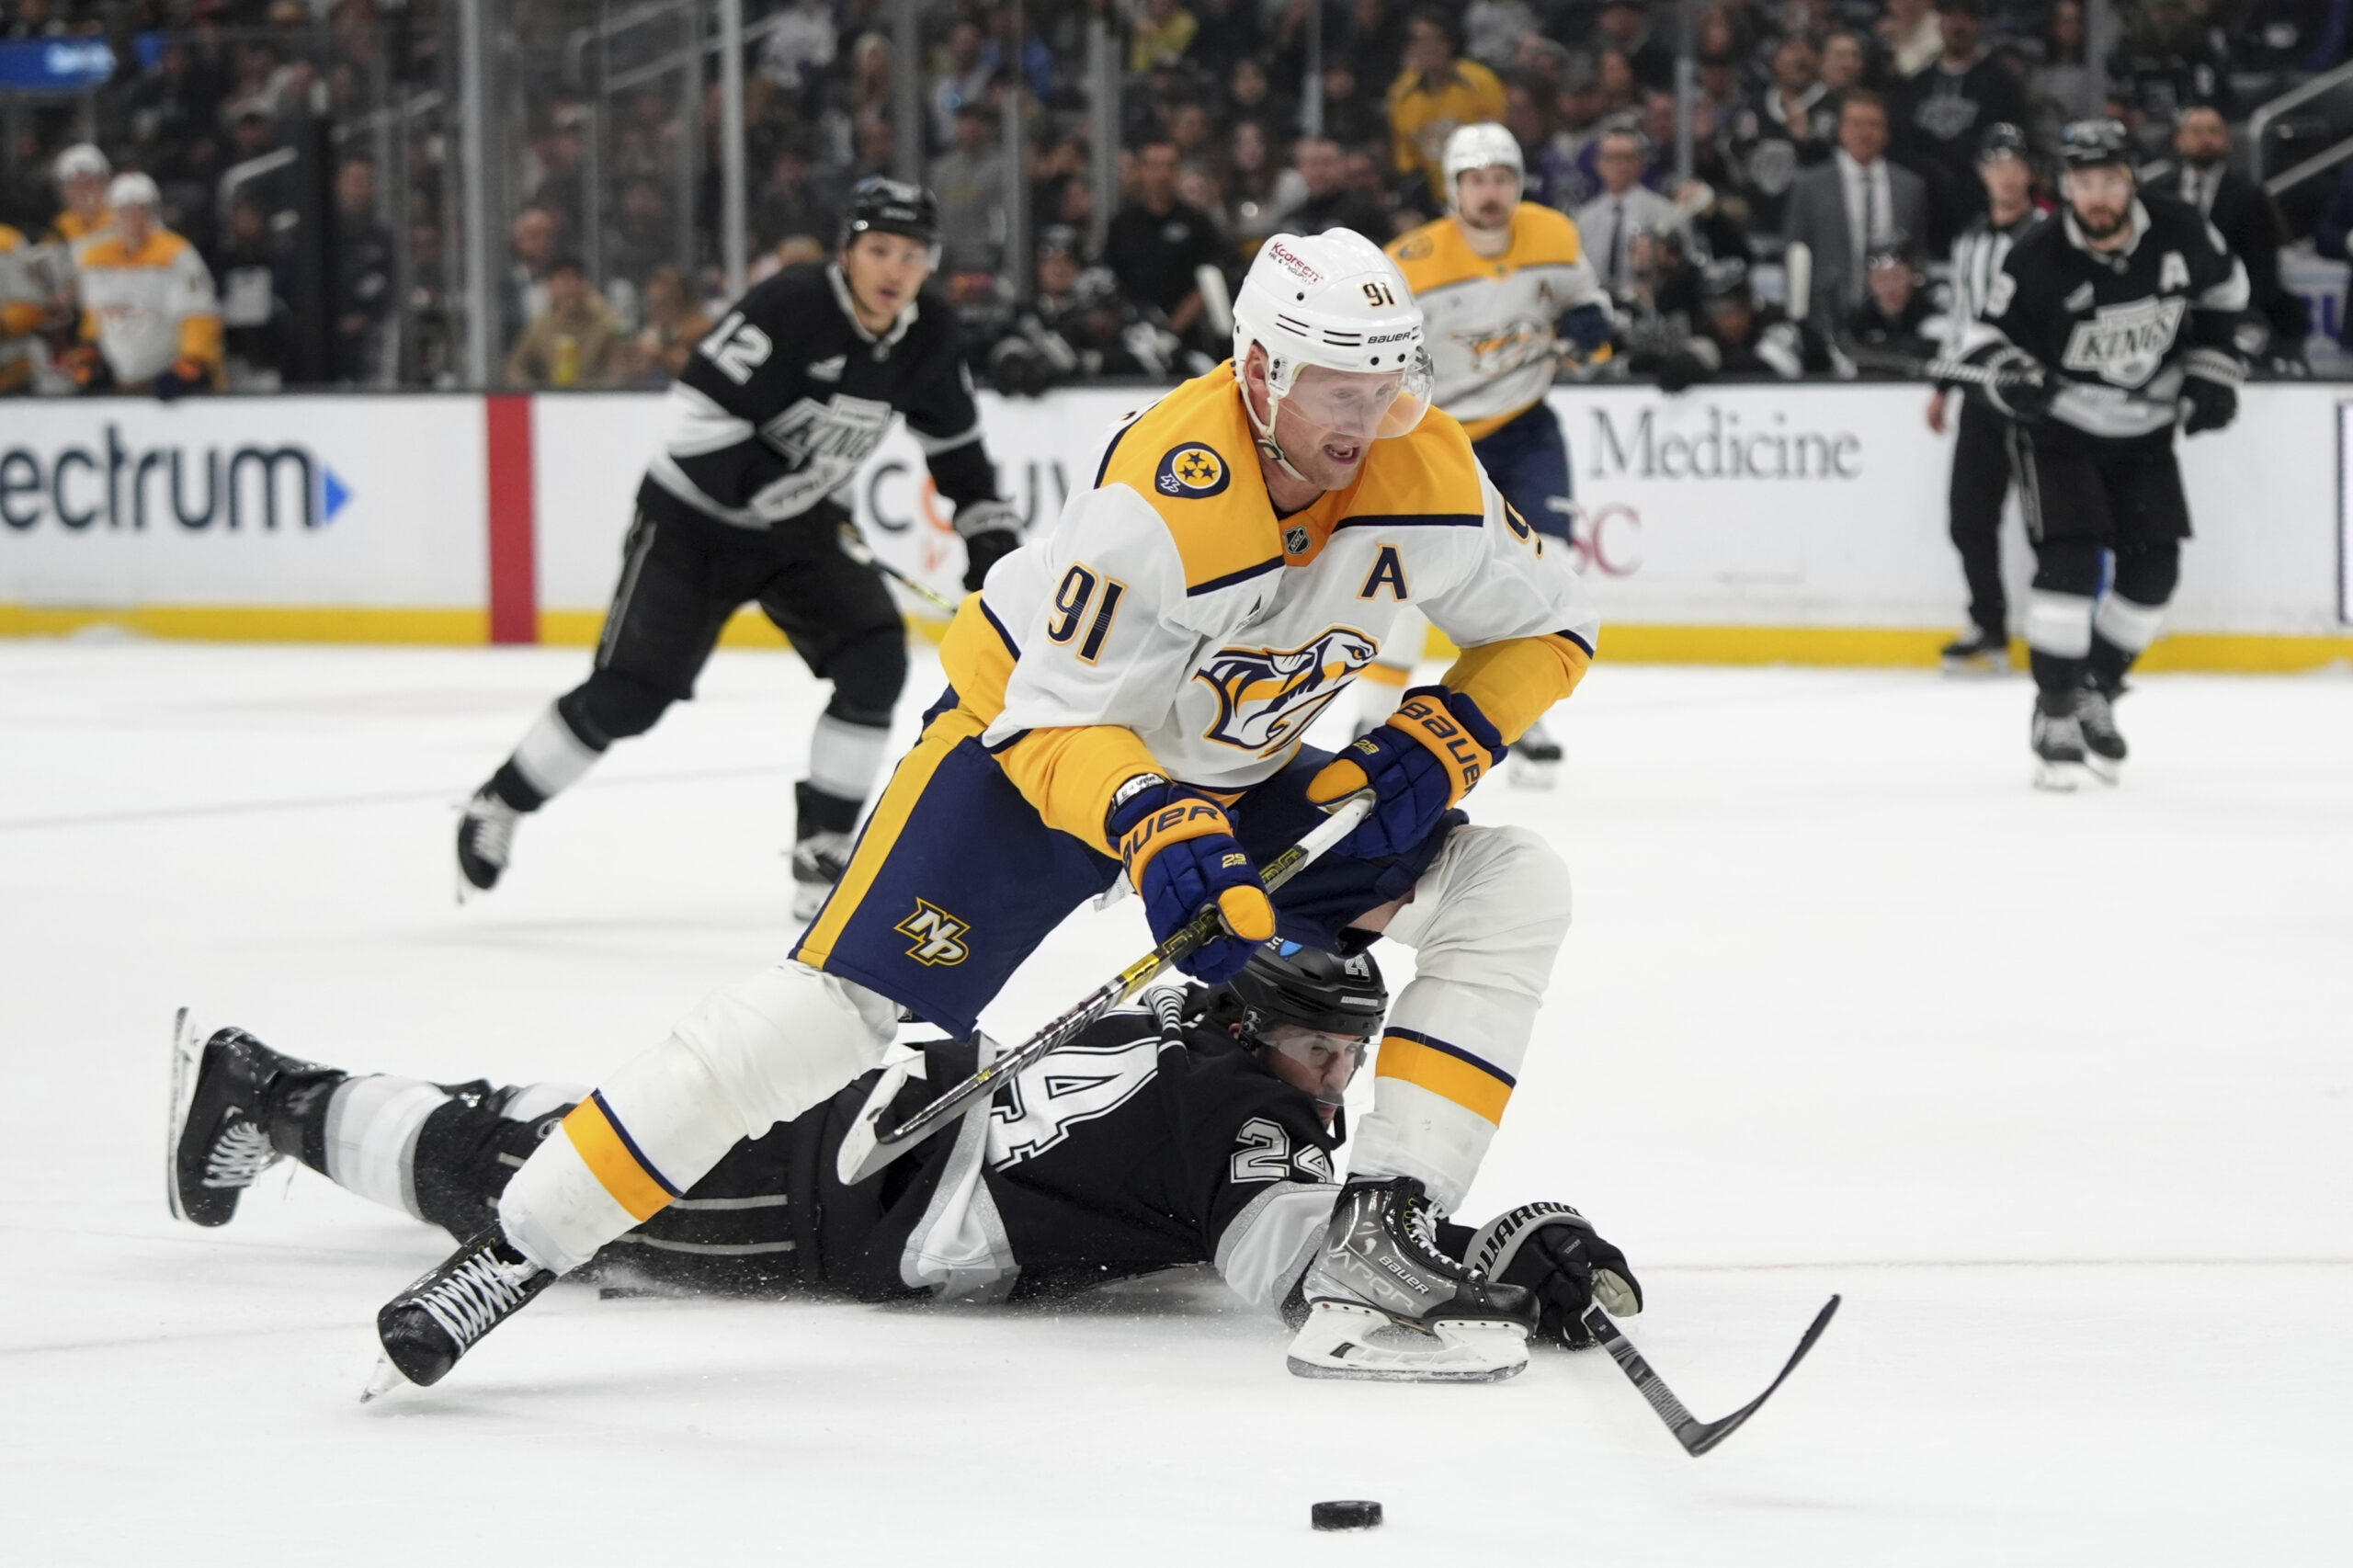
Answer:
(2105, 329)
(1198, 1131)
(770, 418)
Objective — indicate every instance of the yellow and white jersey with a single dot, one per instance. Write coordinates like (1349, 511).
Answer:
(1171, 622)
(1490, 319)
(147, 307)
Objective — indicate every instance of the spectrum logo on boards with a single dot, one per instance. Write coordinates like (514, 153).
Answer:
(117, 486)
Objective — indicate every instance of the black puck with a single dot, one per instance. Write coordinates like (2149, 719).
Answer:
(1354, 1514)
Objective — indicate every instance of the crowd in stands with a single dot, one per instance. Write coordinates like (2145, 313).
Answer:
(1801, 104)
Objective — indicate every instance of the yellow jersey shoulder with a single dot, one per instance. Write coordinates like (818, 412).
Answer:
(1191, 457)
(1429, 471)
(1542, 236)
(163, 248)
(1426, 254)
(10, 239)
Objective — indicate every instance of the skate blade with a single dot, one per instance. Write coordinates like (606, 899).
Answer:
(187, 1056)
(2109, 771)
(1982, 667)
(809, 899)
(1343, 1342)
(384, 1379)
(2058, 777)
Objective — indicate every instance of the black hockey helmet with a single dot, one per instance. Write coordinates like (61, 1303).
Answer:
(2002, 139)
(2096, 143)
(885, 206)
(1285, 983)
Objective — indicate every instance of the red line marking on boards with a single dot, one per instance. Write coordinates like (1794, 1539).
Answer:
(514, 574)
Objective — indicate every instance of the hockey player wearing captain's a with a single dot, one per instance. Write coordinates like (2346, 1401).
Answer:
(1129, 696)
(1509, 297)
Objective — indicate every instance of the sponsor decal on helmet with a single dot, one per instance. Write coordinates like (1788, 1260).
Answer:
(1291, 263)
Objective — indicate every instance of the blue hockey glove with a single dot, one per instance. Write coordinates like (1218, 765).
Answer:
(1182, 856)
(1425, 759)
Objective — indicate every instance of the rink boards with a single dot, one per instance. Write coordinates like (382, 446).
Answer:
(1798, 524)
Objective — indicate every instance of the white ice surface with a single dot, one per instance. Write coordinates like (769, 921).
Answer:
(2058, 1091)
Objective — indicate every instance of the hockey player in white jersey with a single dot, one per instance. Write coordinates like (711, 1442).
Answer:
(1129, 696)
(1509, 297)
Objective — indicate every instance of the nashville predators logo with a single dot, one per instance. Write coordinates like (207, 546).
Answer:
(1191, 471)
(1267, 697)
(938, 936)
(1518, 342)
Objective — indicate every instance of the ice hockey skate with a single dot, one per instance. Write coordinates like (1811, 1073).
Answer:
(1535, 759)
(1384, 1304)
(2104, 747)
(222, 1081)
(427, 1327)
(1976, 652)
(2058, 739)
(485, 839)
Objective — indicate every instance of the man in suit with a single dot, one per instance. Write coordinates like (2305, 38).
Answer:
(2242, 211)
(1625, 208)
(1840, 209)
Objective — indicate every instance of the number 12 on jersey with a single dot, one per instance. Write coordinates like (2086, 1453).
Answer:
(1071, 598)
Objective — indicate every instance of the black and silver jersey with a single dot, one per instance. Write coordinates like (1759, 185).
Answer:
(2120, 329)
(1977, 257)
(1123, 1153)
(777, 407)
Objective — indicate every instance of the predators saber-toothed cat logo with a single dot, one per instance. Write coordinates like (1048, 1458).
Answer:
(1191, 471)
(938, 936)
(1267, 697)
(2123, 344)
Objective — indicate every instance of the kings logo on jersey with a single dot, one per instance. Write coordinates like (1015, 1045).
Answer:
(2123, 344)
(1267, 697)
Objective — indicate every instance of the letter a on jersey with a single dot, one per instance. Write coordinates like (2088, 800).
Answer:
(1388, 571)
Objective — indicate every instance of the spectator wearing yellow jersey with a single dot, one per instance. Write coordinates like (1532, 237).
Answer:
(1436, 92)
(148, 309)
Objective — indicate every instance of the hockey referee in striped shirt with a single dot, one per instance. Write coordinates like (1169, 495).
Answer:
(1981, 463)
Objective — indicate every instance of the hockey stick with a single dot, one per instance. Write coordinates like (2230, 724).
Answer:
(1901, 364)
(1696, 1435)
(854, 545)
(876, 1146)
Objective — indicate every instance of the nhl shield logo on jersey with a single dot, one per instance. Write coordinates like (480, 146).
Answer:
(1191, 471)
(1267, 697)
(938, 936)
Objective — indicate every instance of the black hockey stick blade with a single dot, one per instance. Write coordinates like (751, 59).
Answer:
(1696, 1435)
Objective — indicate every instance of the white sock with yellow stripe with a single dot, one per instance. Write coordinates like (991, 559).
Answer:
(1380, 685)
(752, 1055)
(1486, 923)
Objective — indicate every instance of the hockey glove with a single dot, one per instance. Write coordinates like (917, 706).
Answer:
(1555, 1254)
(990, 531)
(1585, 332)
(2211, 390)
(185, 376)
(2025, 389)
(1425, 759)
(1181, 856)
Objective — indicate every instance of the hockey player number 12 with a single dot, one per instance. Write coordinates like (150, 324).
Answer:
(737, 348)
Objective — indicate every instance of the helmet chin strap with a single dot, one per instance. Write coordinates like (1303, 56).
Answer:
(1265, 439)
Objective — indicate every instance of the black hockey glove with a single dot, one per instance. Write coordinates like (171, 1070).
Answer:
(1681, 369)
(2211, 390)
(990, 531)
(2023, 389)
(1555, 1253)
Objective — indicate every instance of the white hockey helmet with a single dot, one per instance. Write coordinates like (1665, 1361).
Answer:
(1334, 300)
(81, 161)
(1487, 146)
(133, 190)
